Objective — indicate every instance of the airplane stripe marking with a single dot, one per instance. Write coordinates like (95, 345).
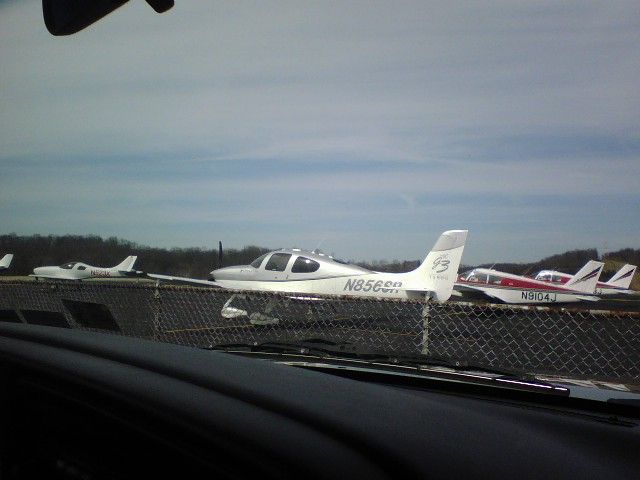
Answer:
(293, 279)
(589, 275)
(626, 274)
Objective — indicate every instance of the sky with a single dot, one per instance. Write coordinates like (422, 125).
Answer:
(365, 128)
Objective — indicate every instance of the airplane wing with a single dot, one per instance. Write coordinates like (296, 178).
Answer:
(192, 281)
(488, 292)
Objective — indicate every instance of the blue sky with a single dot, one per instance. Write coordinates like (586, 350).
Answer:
(368, 127)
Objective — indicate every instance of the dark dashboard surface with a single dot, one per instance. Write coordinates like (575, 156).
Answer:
(80, 404)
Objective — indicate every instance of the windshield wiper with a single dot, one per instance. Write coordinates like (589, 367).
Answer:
(348, 351)
(332, 351)
(310, 346)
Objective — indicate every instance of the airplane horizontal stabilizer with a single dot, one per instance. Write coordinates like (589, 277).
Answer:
(588, 298)
(131, 273)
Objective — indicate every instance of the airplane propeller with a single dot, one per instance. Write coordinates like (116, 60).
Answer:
(219, 254)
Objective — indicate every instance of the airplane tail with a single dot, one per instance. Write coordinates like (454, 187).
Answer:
(587, 277)
(622, 278)
(127, 264)
(439, 270)
(6, 261)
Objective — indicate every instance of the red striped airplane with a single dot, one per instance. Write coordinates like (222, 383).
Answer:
(510, 288)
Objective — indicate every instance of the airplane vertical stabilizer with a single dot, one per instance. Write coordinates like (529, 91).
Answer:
(439, 270)
(587, 277)
(622, 278)
(6, 261)
(127, 264)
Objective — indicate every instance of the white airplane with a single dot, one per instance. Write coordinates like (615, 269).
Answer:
(82, 271)
(510, 288)
(303, 272)
(6, 261)
(618, 284)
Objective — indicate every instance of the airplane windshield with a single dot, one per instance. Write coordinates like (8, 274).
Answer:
(476, 276)
(68, 266)
(258, 261)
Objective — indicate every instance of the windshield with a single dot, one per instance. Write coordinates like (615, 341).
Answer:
(258, 261)
(415, 139)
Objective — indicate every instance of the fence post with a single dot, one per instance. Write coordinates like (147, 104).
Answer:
(156, 301)
(426, 311)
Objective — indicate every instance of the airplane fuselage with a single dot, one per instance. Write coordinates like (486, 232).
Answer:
(509, 288)
(373, 284)
(75, 274)
(82, 271)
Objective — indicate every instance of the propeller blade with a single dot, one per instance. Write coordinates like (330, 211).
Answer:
(219, 254)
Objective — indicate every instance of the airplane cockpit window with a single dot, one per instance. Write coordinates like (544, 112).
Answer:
(278, 262)
(496, 280)
(545, 278)
(68, 266)
(81, 267)
(304, 265)
(258, 261)
(477, 277)
(557, 279)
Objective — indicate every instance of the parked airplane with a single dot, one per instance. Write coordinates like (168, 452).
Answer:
(82, 271)
(618, 284)
(300, 271)
(6, 261)
(510, 288)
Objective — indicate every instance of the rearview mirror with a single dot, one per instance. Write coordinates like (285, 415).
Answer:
(66, 17)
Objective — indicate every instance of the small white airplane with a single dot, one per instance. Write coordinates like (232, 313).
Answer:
(82, 271)
(510, 288)
(303, 272)
(618, 284)
(6, 261)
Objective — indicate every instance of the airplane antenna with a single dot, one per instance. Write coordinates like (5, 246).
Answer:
(315, 250)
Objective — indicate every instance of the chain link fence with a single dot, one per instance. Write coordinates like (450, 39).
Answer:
(597, 345)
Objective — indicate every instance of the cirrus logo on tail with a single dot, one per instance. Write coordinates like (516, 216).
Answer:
(441, 264)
